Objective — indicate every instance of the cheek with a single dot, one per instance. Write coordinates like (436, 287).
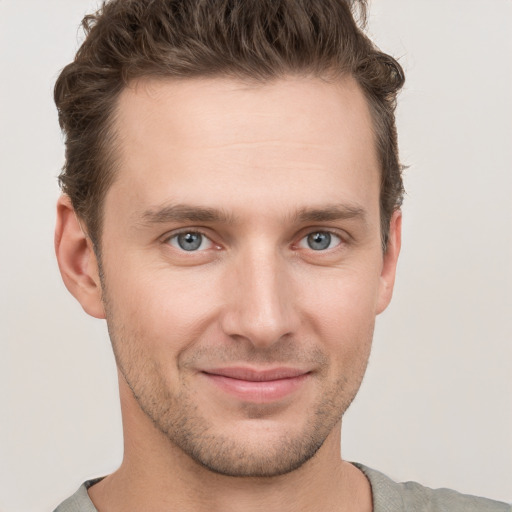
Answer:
(342, 297)
(341, 311)
(168, 308)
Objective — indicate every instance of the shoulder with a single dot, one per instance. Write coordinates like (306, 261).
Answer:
(80, 501)
(390, 496)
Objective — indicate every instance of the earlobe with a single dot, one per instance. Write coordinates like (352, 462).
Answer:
(390, 260)
(77, 261)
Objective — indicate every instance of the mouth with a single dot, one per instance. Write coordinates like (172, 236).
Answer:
(257, 386)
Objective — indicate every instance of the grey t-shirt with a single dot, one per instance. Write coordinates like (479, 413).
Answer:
(388, 496)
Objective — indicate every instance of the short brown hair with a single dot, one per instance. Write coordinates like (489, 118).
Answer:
(246, 39)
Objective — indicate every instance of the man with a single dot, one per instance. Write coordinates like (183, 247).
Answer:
(231, 206)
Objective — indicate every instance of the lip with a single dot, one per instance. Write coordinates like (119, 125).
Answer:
(257, 385)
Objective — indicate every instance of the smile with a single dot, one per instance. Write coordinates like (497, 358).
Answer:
(257, 386)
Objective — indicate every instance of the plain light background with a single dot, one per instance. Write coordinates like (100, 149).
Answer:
(435, 405)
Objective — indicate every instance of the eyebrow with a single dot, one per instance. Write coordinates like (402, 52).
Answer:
(185, 213)
(189, 213)
(330, 213)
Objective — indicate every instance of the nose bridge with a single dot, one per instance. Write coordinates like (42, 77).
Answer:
(261, 307)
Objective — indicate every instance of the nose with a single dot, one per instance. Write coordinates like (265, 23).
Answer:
(260, 299)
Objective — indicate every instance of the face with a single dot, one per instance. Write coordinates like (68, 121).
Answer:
(242, 264)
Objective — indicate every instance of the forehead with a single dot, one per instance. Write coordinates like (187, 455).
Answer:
(207, 140)
(209, 112)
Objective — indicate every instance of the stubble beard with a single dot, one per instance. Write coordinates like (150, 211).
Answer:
(179, 418)
(181, 421)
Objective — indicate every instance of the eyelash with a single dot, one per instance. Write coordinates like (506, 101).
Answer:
(330, 233)
(175, 236)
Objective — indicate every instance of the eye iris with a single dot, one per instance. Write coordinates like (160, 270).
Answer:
(319, 241)
(190, 241)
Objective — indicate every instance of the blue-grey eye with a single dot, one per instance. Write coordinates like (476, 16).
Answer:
(190, 241)
(320, 241)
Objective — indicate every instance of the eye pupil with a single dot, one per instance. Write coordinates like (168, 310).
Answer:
(190, 241)
(319, 241)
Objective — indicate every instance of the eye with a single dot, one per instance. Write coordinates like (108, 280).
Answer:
(320, 241)
(190, 241)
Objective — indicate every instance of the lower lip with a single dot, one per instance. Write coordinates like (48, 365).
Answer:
(258, 391)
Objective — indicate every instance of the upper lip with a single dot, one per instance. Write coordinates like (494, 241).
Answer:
(257, 375)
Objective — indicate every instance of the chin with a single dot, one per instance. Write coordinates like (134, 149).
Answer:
(263, 459)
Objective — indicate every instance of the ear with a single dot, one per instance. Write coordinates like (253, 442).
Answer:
(77, 261)
(387, 276)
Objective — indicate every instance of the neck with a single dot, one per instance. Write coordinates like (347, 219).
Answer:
(156, 475)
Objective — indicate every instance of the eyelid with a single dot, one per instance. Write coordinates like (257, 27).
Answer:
(343, 236)
(166, 239)
(303, 244)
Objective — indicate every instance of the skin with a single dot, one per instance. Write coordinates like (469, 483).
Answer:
(255, 169)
